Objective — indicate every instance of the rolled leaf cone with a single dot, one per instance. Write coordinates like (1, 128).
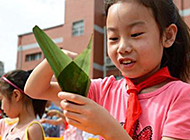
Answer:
(57, 59)
(83, 59)
(72, 75)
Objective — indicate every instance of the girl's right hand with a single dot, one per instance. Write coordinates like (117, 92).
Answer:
(88, 116)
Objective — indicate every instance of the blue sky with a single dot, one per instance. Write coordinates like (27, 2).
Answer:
(19, 17)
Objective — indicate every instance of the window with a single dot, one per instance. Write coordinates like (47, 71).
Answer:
(33, 57)
(78, 28)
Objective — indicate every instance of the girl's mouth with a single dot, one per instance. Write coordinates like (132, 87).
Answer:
(126, 62)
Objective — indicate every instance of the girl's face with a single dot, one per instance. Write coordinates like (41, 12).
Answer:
(8, 106)
(5, 103)
(134, 43)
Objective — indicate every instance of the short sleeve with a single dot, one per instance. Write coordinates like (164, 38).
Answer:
(99, 87)
(2, 126)
(177, 123)
(94, 91)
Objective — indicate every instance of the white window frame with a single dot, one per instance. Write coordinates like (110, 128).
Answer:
(33, 57)
(78, 28)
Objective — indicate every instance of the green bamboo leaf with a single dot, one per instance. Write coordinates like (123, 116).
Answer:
(72, 76)
(57, 59)
(73, 79)
(83, 59)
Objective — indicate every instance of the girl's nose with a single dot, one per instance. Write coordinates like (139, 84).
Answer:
(124, 48)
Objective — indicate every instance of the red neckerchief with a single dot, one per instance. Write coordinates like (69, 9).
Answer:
(133, 105)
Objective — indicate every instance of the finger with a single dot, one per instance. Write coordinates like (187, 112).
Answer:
(42, 121)
(71, 107)
(72, 122)
(51, 113)
(70, 54)
(73, 116)
(48, 114)
(78, 99)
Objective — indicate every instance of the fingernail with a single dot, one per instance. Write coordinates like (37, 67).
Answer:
(59, 94)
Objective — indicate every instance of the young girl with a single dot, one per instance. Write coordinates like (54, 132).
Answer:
(16, 104)
(149, 43)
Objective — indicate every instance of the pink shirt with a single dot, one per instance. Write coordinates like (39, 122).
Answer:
(165, 111)
(72, 133)
(7, 125)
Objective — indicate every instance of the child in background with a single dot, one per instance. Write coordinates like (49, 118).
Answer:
(60, 118)
(16, 104)
(50, 122)
(69, 133)
(149, 43)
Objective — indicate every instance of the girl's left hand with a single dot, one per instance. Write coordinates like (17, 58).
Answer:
(87, 115)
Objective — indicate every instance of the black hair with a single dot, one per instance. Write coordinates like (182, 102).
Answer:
(176, 57)
(19, 78)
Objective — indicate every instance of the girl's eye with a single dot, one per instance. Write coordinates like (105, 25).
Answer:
(137, 34)
(113, 38)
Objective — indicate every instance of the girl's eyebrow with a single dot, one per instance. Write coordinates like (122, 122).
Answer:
(131, 25)
(136, 23)
(112, 29)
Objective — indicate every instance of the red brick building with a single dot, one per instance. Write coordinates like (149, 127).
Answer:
(82, 18)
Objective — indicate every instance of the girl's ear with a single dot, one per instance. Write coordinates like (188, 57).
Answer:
(169, 35)
(17, 95)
